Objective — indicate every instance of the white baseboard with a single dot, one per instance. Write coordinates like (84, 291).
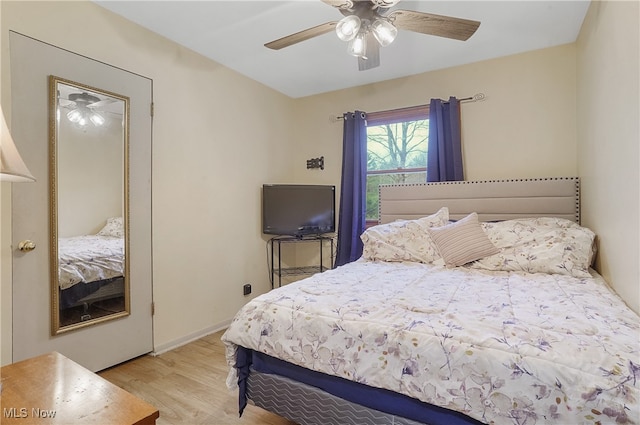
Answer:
(163, 348)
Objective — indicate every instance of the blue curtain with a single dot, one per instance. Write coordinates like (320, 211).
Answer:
(353, 188)
(444, 157)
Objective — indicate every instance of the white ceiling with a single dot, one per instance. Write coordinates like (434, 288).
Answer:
(233, 33)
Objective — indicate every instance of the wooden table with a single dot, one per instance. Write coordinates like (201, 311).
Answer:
(52, 389)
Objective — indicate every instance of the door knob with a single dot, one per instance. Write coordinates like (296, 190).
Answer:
(26, 246)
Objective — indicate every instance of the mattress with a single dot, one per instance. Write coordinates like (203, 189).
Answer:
(500, 347)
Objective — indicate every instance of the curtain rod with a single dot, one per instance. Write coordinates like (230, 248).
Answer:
(475, 98)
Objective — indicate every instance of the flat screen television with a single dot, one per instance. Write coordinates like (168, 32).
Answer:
(298, 210)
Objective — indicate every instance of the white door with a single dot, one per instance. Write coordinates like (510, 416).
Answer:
(107, 343)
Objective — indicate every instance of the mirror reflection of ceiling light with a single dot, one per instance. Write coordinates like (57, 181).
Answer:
(82, 114)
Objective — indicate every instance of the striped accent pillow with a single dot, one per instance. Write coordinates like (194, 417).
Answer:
(462, 242)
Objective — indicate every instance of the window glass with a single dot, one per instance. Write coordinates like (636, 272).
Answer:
(397, 144)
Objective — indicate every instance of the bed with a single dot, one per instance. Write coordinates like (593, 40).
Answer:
(91, 267)
(416, 333)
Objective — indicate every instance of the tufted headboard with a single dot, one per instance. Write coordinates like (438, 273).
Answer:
(491, 199)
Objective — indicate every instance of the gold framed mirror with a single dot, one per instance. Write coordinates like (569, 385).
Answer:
(89, 205)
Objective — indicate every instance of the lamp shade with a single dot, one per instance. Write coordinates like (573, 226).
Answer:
(12, 167)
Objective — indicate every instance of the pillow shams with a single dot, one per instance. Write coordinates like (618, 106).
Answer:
(462, 241)
(113, 228)
(405, 240)
(539, 245)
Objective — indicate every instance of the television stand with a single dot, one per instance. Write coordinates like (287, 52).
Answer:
(276, 250)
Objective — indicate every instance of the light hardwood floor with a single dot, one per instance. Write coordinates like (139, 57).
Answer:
(187, 385)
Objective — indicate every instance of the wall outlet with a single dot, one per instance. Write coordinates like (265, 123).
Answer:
(246, 289)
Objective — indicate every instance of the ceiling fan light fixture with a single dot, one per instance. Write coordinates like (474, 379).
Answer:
(82, 115)
(384, 3)
(384, 31)
(367, 25)
(358, 46)
(97, 119)
(348, 27)
(74, 116)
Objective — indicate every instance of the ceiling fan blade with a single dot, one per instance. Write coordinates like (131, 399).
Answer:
(427, 23)
(101, 103)
(66, 103)
(301, 36)
(372, 56)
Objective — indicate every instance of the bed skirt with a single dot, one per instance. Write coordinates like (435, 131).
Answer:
(308, 397)
(76, 295)
(309, 405)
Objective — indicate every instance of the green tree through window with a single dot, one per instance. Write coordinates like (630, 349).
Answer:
(396, 151)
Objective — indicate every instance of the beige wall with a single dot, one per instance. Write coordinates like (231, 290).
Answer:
(208, 164)
(608, 139)
(526, 126)
(90, 177)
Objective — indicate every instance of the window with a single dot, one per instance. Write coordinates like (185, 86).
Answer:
(397, 144)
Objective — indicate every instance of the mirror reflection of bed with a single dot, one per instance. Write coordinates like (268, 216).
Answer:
(89, 207)
(91, 269)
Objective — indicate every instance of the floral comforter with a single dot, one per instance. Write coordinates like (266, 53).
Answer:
(501, 347)
(89, 258)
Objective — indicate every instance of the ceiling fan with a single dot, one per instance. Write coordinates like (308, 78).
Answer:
(84, 98)
(83, 108)
(369, 24)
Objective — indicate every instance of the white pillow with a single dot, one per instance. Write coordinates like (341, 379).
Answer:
(404, 240)
(113, 228)
(462, 242)
(539, 245)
